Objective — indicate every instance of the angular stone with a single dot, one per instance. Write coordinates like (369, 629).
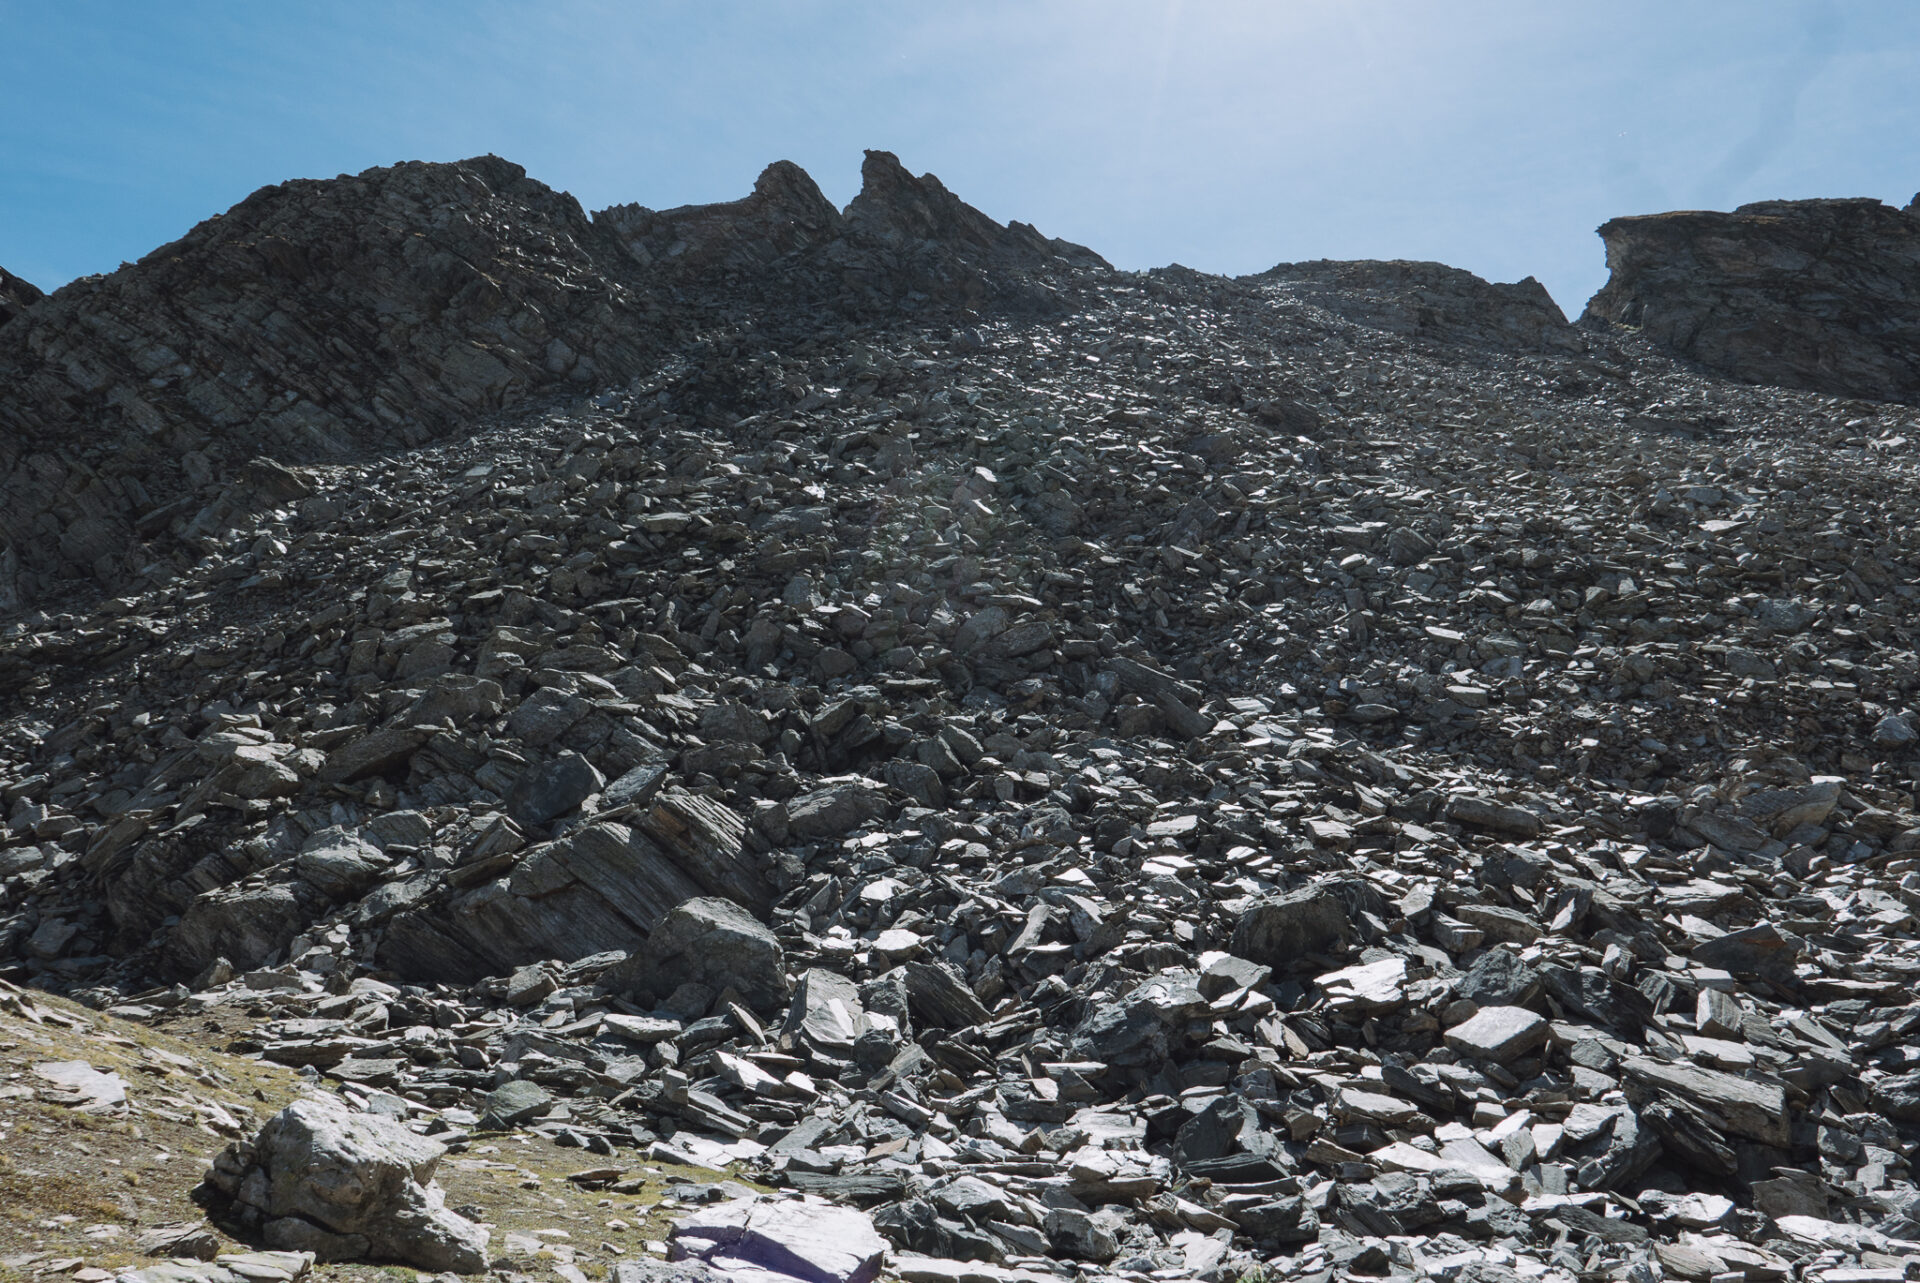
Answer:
(1499, 1034)
(347, 1187)
(811, 1242)
(340, 864)
(1279, 931)
(553, 789)
(711, 942)
(707, 842)
(827, 1011)
(1760, 949)
(513, 1103)
(1740, 1106)
(939, 997)
(1487, 814)
(833, 812)
(1372, 986)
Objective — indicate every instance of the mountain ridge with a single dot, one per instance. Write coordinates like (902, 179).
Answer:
(319, 317)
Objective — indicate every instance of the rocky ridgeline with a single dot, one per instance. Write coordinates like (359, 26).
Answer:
(1433, 300)
(1083, 773)
(319, 319)
(1820, 294)
(16, 294)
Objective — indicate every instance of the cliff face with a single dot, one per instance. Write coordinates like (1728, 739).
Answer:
(1817, 294)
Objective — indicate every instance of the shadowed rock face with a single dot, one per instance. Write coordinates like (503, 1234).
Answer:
(16, 294)
(1816, 294)
(786, 214)
(1431, 301)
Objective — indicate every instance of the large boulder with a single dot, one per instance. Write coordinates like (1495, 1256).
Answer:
(340, 863)
(553, 789)
(834, 811)
(711, 942)
(346, 1187)
(1278, 930)
(248, 924)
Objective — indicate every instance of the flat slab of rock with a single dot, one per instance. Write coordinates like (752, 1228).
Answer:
(1487, 814)
(190, 1240)
(930, 1269)
(1499, 1034)
(230, 1267)
(79, 1084)
(1741, 1106)
(814, 1242)
(1372, 986)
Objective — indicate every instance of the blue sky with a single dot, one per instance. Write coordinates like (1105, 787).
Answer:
(1228, 136)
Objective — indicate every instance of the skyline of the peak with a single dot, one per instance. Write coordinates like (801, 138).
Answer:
(1492, 136)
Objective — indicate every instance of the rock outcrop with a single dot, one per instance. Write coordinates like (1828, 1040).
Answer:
(1815, 294)
(1431, 301)
(904, 245)
(346, 1187)
(15, 295)
(905, 236)
(785, 214)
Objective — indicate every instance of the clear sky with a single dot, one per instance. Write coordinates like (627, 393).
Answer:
(1489, 134)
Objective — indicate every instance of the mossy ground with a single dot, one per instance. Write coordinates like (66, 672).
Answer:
(77, 1188)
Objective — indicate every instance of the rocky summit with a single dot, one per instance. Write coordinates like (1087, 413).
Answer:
(769, 742)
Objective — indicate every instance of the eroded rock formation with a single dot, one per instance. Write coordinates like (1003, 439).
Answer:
(1815, 294)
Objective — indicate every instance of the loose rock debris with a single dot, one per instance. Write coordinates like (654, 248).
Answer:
(1086, 773)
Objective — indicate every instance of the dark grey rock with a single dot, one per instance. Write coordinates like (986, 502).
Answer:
(553, 789)
(711, 942)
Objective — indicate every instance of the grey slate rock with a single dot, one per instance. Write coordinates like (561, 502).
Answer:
(513, 1103)
(1499, 1034)
(835, 811)
(1761, 949)
(711, 942)
(1499, 978)
(341, 864)
(553, 789)
(1278, 931)
(347, 1187)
